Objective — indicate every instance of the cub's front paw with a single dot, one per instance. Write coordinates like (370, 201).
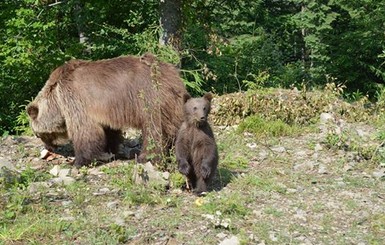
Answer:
(183, 167)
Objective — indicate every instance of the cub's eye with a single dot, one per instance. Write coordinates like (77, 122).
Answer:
(195, 108)
(204, 108)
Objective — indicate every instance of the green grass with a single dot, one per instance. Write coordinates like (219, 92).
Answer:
(258, 198)
(265, 128)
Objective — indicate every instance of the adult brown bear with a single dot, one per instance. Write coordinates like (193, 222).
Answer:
(90, 102)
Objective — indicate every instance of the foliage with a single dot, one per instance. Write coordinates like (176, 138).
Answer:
(227, 47)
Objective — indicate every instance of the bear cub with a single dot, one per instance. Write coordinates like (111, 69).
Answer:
(195, 147)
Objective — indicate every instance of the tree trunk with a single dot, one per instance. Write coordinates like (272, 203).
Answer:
(79, 19)
(170, 21)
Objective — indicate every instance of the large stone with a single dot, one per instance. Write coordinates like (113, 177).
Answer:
(147, 174)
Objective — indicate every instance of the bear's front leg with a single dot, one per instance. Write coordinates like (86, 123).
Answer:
(88, 145)
(183, 166)
(182, 153)
(201, 186)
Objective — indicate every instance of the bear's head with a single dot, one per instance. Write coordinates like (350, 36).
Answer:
(196, 110)
(46, 119)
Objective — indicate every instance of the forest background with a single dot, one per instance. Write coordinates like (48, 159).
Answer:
(222, 46)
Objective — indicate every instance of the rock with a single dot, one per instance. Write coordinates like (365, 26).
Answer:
(62, 180)
(75, 172)
(252, 146)
(67, 218)
(262, 155)
(66, 203)
(300, 214)
(361, 133)
(303, 167)
(318, 147)
(44, 154)
(221, 235)
(230, 241)
(279, 149)
(128, 213)
(102, 191)
(273, 236)
(379, 174)
(95, 171)
(291, 190)
(36, 187)
(112, 205)
(9, 177)
(55, 170)
(322, 169)
(64, 172)
(6, 164)
(147, 174)
(326, 117)
(166, 175)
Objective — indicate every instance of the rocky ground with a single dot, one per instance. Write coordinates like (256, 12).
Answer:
(324, 185)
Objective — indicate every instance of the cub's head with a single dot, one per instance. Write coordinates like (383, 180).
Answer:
(196, 110)
(46, 119)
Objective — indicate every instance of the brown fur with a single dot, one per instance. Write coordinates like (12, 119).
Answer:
(195, 147)
(90, 102)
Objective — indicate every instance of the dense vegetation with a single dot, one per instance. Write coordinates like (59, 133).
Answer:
(224, 46)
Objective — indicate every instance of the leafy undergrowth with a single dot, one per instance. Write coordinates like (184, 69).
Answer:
(316, 184)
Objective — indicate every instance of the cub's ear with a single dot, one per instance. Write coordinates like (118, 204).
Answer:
(186, 97)
(208, 96)
(32, 111)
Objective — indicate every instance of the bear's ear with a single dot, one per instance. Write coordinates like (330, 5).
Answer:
(186, 97)
(32, 111)
(208, 96)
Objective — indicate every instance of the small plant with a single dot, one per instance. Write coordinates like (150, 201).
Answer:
(22, 122)
(335, 141)
(177, 180)
(258, 81)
